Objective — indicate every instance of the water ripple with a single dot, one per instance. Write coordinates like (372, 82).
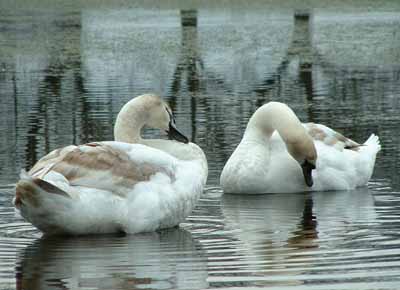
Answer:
(278, 240)
(291, 241)
(67, 68)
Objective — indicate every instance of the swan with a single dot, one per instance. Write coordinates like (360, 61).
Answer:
(278, 154)
(129, 185)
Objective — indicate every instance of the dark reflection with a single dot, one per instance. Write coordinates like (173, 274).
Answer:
(306, 233)
(189, 62)
(303, 44)
(192, 62)
(66, 70)
(189, 65)
(45, 122)
(300, 49)
(288, 231)
(64, 94)
(274, 230)
(167, 260)
(263, 216)
(195, 82)
(59, 89)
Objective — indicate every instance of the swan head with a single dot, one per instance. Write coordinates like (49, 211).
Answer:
(279, 116)
(146, 110)
(304, 152)
(172, 131)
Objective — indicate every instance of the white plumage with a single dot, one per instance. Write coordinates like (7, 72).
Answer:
(129, 185)
(280, 154)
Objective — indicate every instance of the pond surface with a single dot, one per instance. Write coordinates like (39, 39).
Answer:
(66, 70)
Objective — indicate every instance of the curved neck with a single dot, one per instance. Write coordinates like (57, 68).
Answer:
(130, 121)
(275, 116)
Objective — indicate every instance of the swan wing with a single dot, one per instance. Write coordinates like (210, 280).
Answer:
(111, 166)
(330, 137)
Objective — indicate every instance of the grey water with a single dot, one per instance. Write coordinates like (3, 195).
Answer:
(67, 67)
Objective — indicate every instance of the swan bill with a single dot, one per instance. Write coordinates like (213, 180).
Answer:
(174, 134)
(307, 168)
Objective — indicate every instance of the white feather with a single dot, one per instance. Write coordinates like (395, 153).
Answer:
(261, 163)
(114, 186)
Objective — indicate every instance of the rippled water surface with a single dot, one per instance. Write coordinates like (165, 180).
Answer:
(66, 70)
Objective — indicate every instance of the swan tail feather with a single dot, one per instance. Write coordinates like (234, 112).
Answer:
(32, 191)
(367, 159)
(373, 143)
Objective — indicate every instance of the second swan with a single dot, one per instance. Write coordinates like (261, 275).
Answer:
(278, 154)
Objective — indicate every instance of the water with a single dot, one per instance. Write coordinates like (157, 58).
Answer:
(67, 68)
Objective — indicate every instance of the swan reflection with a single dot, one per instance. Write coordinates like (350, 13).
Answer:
(167, 260)
(282, 237)
(279, 218)
(268, 219)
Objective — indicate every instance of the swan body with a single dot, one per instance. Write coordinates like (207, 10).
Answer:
(280, 154)
(128, 185)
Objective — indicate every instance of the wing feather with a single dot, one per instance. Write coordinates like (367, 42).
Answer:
(330, 137)
(99, 165)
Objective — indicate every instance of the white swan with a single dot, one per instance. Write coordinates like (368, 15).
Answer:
(116, 186)
(280, 154)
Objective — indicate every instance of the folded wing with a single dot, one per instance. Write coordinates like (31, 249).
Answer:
(330, 137)
(110, 166)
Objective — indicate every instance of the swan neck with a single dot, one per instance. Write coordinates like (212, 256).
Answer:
(275, 116)
(255, 134)
(278, 116)
(129, 123)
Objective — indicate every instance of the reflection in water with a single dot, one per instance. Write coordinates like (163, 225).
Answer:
(275, 216)
(279, 240)
(301, 48)
(292, 239)
(275, 230)
(66, 70)
(188, 65)
(190, 62)
(306, 233)
(167, 260)
(67, 84)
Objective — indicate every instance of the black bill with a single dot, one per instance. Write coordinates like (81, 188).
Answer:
(307, 168)
(174, 134)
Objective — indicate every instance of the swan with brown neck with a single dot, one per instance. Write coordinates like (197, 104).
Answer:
(128, 185)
